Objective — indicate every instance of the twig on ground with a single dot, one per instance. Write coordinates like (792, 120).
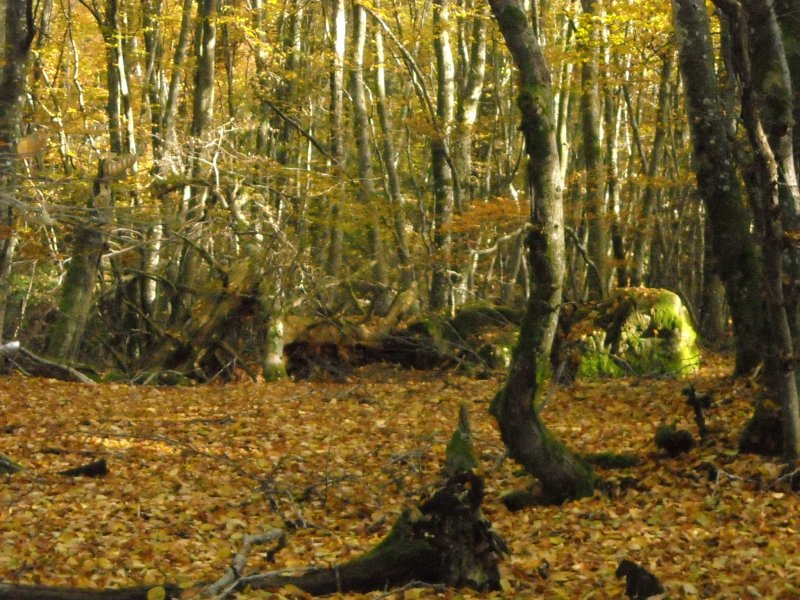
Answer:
(229, 583)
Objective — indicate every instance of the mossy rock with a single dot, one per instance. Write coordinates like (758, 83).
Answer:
(636, 331)
(475, 317)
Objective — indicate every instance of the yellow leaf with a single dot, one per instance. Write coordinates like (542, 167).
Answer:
(32, 144)
(156, 593)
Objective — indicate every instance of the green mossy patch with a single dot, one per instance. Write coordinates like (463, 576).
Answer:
(636, 331)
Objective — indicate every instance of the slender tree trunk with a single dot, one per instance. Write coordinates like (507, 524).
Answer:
(390, 166)
(788, 14)
(442, 174)
(643, 231)
(595, 206)
(468, 99)
(335, 234)
(718, 185)
(562, 474)
(366, 187)
(181, 47)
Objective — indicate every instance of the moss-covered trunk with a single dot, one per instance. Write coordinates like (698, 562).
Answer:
(563, 475)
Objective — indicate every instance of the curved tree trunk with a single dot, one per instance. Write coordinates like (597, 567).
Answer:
(563, 475)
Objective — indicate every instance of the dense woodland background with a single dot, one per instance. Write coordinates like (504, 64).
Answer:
(318, 158)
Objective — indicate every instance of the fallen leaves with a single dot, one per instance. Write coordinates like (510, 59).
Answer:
(194, 470)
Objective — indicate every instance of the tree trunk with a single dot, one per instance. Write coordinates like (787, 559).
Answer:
(89, 242)
(442, 174)
(467, 110)
(644, 226)
(563, 475)
(595, 206)
(366, 189)
(17, 31)
(767, 115)
(718, 185)
(390, 166)
(335, 235)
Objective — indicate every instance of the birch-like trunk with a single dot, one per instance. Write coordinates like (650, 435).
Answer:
(442, 174)
(366, 186)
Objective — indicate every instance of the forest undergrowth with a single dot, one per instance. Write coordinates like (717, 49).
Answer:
(192, 470)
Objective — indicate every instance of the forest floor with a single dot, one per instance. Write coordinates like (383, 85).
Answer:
(193, 470)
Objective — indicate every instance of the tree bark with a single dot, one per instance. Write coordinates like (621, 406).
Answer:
(366, 187)
(335, 235)
(390, 166)
(17, 30)
(563, 475)
(595, 206)
(767, 115)
(643, 231)
(718, 185)
(467, 109)
(442, 174)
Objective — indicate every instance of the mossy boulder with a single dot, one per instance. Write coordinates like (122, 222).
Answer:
(635, 331)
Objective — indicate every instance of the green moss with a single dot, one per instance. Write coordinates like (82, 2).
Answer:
(397, 546)
(274, 372)
(460, 455)
(639, 330)
(596, 360)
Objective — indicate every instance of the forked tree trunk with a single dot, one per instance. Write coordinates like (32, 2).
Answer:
(563, 475)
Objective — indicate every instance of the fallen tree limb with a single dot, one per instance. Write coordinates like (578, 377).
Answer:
(33, 364)
(443, 541)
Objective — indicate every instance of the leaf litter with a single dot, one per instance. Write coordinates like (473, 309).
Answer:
(194, 470)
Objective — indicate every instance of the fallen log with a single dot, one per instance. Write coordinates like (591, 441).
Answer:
(33, 364)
